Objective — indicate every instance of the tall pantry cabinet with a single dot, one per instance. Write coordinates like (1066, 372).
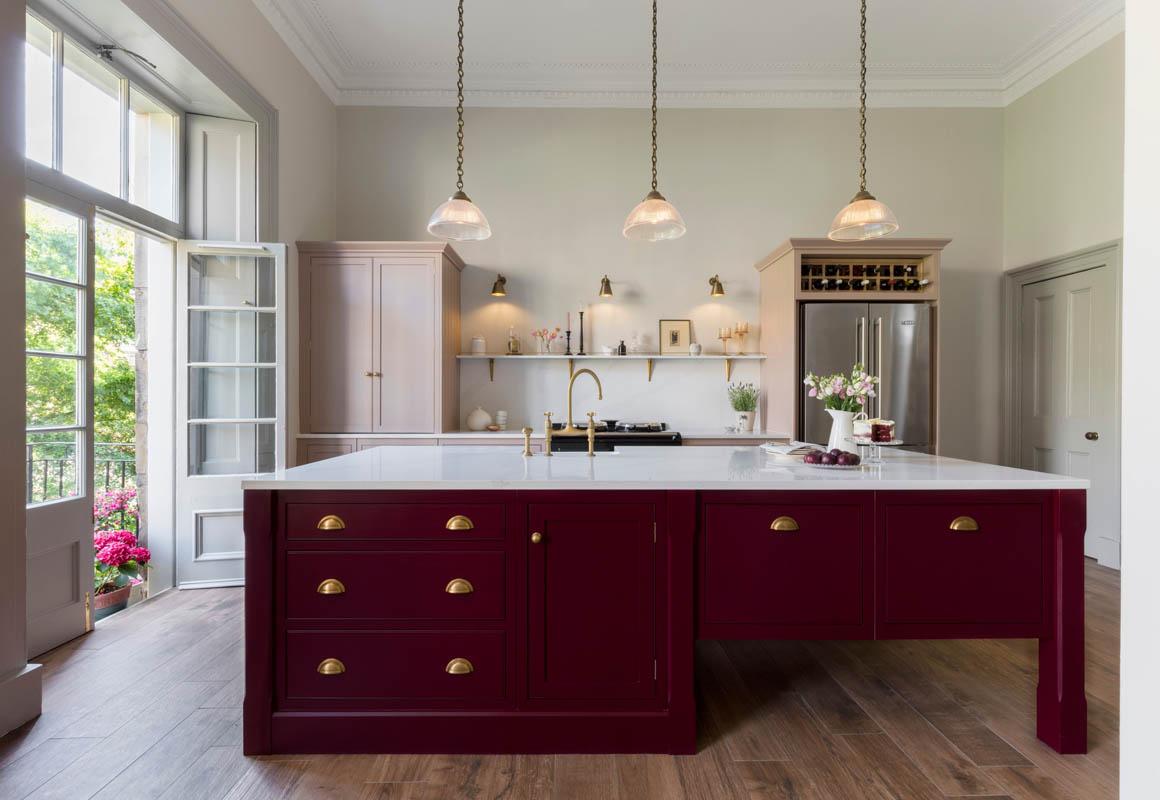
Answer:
(379, 332)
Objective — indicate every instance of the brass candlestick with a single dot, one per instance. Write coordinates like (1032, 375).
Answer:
(724, 334)
(740, 332)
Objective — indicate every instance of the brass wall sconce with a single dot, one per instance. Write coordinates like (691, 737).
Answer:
(497, 288)
(605, 287)
(715, 287)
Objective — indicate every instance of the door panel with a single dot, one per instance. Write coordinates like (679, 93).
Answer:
(406, 346)
(900, 354)
(833, 340)
(231, 397)
(341, 298)
(58, 438)
(1068, 381)
(591, 602)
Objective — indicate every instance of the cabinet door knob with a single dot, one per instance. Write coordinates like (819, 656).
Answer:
(459, 523)
(537, 537)
(962, 524)
(331, 586)
(459, 586)
(1092, 436)
(331, 522)
(459, 666)
(369, 374)
(784, 525)
(331, 666)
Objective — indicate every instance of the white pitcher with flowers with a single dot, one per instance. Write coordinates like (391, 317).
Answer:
(846, 398)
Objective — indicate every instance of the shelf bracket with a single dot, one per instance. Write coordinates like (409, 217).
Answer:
(491, 369)
(728, 369)
(649, 365)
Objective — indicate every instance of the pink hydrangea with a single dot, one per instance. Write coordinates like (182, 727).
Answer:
(140, 554)
(114, 554)
(102, 538)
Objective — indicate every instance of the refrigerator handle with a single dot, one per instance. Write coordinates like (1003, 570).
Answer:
(878, 365)
(860, 342)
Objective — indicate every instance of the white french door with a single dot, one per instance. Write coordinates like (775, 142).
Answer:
(231, 397)
(59, 418)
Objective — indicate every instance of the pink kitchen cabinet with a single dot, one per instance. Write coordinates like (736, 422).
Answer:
(379, 332)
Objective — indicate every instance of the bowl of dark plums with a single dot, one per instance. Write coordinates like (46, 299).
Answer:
(834, 459)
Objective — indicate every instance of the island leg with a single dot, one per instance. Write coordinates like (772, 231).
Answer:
(1060, 699)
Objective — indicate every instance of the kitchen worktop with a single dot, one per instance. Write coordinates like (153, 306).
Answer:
(514, 434)
(693, 468)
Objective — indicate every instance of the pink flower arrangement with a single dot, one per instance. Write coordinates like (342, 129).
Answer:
(119, 560)
(843, 392)
(116, 509)
(546, 337)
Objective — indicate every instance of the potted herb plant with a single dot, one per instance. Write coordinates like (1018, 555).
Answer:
(845, 397)
(743, 398)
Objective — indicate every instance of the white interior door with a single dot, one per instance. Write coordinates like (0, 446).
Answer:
(231, 397)
(59, 419)
(1068, 394)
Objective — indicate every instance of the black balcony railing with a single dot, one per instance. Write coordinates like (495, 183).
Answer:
(51, 469)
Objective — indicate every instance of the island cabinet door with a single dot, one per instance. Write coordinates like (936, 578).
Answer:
(591, 601)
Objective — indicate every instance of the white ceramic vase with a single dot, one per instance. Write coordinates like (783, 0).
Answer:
(478, 420)
(745, 421)
(842, 431)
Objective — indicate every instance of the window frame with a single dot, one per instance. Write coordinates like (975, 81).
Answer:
(118, 206)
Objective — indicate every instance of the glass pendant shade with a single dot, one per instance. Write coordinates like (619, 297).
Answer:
(654, 219)
(864, 218)
(459, 220)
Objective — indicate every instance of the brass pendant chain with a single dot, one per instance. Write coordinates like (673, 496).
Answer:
(654, 95)
(459, 106)
(862, 103)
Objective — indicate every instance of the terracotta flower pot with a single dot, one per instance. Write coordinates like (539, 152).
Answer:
(111, 602)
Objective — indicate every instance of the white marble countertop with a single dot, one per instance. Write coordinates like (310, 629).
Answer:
(713, 467)
(514, 434)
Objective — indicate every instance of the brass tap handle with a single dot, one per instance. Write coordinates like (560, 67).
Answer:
(527, 442)
(591, 434)
(548, 433)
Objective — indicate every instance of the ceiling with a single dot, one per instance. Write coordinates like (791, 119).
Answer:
(724, 53)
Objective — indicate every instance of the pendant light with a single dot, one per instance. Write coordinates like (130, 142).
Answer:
(459, 219)
(654, 218)
(865, 217)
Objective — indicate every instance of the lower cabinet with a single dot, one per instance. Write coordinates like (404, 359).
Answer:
(591, 601)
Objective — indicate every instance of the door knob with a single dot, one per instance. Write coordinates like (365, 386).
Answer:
(1092, 436)
(537, 537)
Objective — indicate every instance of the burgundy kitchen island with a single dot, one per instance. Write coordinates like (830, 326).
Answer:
(471, 600)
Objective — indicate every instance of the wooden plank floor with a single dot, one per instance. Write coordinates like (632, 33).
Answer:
(149, 706)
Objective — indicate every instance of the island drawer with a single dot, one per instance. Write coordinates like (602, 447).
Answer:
(452, 585)
(961, 561)
(419, 666)
(783, 564)
(349, 521)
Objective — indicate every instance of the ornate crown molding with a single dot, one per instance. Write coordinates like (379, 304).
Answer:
(304, 26)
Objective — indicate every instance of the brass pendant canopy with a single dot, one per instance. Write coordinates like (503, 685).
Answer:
(605, 287)
(654, 218)
(498, 289)
(459, 219)
(865, 217)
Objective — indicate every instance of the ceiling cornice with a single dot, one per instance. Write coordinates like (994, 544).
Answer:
(349, 82)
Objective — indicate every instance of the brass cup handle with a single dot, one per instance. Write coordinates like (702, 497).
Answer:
(331, 666)
(1092, 436)
(459, 666)
(537, 537)
(331, 522)
(459, 586)
(331, 586)
(964, 524)
(784, 525)
(459, 523)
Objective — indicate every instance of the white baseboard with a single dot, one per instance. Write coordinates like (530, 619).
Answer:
(20, 695)
(219, 584)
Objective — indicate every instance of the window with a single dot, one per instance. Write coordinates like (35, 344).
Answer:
(54, 353)
(101, 129)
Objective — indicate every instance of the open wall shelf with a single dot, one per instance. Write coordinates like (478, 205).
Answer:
(648, 358)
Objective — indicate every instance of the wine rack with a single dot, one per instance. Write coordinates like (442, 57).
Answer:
(844, 276)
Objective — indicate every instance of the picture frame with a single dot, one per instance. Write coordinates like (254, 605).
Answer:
(675, 336)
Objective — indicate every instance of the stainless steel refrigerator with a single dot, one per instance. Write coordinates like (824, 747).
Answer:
(894, 341)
